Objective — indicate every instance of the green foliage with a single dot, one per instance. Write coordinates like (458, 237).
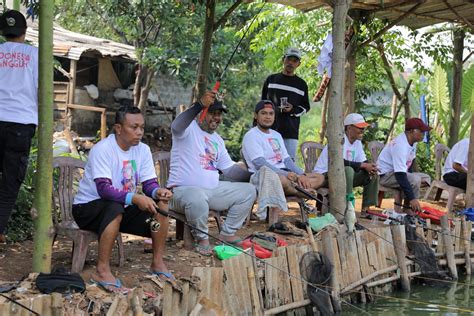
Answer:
(439, 99)
(424, 158)
(20, 225)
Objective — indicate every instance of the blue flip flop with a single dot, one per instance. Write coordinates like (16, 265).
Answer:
(107, 285)
(167, 275)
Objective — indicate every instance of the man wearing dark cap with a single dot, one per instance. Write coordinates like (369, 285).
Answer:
(396, 160)
(289, 93)
(18, 109)
(197, 156)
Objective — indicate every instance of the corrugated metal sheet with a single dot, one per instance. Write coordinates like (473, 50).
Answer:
(428, 13)
(72, 45)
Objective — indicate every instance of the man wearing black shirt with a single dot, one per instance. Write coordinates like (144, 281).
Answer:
(290, 93)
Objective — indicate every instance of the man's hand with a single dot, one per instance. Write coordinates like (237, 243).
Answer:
(163, 194)
(145, 203)
(293, 177)
(370, 167)
(208, 99)
(304, 182)
(415, 205)
(287, 108)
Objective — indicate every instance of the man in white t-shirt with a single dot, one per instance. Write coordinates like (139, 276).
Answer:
(18, 109)
(396, 160)
(263, 146)
(455, 166)
(197, 155)
(359, 171)
(108, 201)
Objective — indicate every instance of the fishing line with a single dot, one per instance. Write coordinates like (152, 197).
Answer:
(19, 304)
(218, 81)
(166, 214)
(316, 286)
(417, 260)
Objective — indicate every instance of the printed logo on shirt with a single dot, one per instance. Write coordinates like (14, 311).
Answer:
(411, 157)
(276, 147)
(350, 155)
(129, 176)
(209, 158)
(14, 60)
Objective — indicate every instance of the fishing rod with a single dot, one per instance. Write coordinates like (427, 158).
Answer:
(19, 304)
(357, 225)
(300, 279)
(219, 79)
(427, 228)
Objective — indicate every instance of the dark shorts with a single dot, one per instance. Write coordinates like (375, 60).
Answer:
(96, 216)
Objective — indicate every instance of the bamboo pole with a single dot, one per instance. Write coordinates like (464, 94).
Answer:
(399, 242)
(328, 238)
(41, 210)
(466, 233)
(56, 304)
(287, 307)
(254, 299)
(448, 245)
(364, 280)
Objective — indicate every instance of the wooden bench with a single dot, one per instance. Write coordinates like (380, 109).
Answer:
(441, 151)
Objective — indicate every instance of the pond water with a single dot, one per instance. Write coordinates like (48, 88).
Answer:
(448, 299)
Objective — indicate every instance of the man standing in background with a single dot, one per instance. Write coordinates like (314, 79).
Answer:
(290, 94)
(18, 109)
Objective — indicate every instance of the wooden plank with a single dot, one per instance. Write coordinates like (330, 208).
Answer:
(365, 267)
(349, 259)
(235, 272)
(429, 232)
(47, 306)
(277, 282)
(37, 305)
(212, 283)
(457, 232)
(167, 299)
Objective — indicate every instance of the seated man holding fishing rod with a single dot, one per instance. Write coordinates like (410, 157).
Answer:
(264, 147)
(108, 201)
(359, 171)
(197, 155)
(396, 161)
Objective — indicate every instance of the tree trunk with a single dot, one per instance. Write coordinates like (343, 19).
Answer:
(350, 77)
(203, 67)
(41, 210)
(470, 168)
(145, 90)
(139, 82)
(337, 177)
(457, 86)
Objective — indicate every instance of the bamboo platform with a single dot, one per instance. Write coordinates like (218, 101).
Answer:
(366, 262)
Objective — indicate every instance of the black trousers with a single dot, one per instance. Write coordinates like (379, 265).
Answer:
(456, 179)
(15, 142)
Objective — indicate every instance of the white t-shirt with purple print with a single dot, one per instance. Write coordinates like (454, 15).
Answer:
(196, 157)
(126, 169)
(270, 146)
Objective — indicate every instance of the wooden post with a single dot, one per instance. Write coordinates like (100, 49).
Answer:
(448, 245)
(399, 245)
(328, 239)
(56, 304)
(103, 125)
(72, 81)
(429, 232)
(466, 233)
(255, 301)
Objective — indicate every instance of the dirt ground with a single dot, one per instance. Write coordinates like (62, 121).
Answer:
(16, 258)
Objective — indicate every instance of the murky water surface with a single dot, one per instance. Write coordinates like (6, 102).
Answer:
(450, 299)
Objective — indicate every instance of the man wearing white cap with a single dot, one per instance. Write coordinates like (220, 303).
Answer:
(290, 94)
(359, 172)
